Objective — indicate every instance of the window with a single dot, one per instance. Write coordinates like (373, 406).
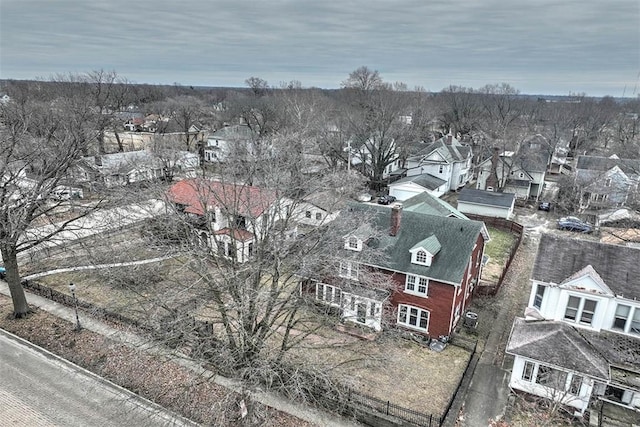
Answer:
(527, 371)
(537, 300)
(521, 175)
(307, 214)
(441, 169)
(575, 385)
(635, 322)
(328, 293)
(353, 242)
(349, 270)
(318, 216)
(416, 285)
(413, 317)
(607, 182)
(580, 310)
(550, 377)
(588, 309)
(421, 257)
(250, 249)
(621, 316)
(571, 312)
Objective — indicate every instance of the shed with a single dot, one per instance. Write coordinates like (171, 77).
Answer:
(486, 203)
(410, 186)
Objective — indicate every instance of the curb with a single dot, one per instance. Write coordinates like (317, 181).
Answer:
(138, 400)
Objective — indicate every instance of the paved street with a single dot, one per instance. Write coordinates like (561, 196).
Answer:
(39, 390)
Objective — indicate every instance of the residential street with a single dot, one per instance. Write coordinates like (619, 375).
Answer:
(39, 389)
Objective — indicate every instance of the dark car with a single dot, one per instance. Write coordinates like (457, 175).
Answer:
(572, 223)
(3, 273)
(386, 200)
(544, 206)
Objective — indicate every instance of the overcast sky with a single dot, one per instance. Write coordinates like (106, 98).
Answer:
(537, 46)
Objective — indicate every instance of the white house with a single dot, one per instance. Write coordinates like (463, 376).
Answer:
(236, 140)
(607, 182)
(520, 173)
(486, 203)
(446, 158)
(579, 342)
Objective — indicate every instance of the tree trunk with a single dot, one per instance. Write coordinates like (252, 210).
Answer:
(20, 306)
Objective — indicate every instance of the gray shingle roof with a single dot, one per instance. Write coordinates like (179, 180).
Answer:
(560, 257)
(602, 164)
(481, 197)
(558, 344)
(457, 236)
(425, 180)
(426, 203)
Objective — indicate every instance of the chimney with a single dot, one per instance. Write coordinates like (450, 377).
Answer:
(98, 160)
(449, 138)
(396, 218)
(492, 179)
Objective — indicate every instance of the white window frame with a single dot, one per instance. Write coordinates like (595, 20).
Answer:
(328, 294)
(349, 270)
(353, 244)
(580, 310)
(406, 312)
(428, 257)
(413, 283)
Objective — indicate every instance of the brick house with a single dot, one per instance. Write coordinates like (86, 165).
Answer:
(424, 272)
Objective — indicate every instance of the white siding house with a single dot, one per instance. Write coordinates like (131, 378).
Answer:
(579, 342)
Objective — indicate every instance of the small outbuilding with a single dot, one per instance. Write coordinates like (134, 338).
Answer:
(410, 186)
(486, 203)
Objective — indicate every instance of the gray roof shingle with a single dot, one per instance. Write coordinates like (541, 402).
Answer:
(560, 257)
(481, 197)
(457, 237)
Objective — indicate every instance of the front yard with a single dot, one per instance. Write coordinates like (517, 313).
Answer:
(390, 368)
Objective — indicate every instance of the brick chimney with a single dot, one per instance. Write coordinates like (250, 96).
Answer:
(492, 179)
(396, 219)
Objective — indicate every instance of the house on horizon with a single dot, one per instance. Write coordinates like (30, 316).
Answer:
(579, 340)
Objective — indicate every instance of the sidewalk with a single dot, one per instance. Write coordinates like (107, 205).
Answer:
(273, 400)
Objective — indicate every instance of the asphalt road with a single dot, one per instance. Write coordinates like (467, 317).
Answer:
(38, 389)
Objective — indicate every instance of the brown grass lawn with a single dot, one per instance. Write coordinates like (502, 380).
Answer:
(498, 250)
(389, 368)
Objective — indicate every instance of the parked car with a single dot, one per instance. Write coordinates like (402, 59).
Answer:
(544, 206)
(386, 200)
(572, 223)
(3, 273)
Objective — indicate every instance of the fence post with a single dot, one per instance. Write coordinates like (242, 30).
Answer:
(388, 402)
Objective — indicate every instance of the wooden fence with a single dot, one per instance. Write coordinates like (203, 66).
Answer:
(510, 227)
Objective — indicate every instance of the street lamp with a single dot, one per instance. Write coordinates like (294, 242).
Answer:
(72, 288)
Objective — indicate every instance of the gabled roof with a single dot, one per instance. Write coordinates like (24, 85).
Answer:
(490, 198)
(200, 195)
(234, 132)
(603, 164)
(457, 236)
(426, 203)
(556, 344)
(430, 244)
(425, 180)
(561, 257)
(450, 153)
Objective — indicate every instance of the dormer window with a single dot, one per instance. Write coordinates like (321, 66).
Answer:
(422, 253)
(353, 243)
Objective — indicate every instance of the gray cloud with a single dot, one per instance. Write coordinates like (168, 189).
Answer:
(539, 46)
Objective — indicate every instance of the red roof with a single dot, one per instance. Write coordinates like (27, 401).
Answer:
(200, 195)
(237, 234)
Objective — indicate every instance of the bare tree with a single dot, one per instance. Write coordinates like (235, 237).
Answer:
(38, 143)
